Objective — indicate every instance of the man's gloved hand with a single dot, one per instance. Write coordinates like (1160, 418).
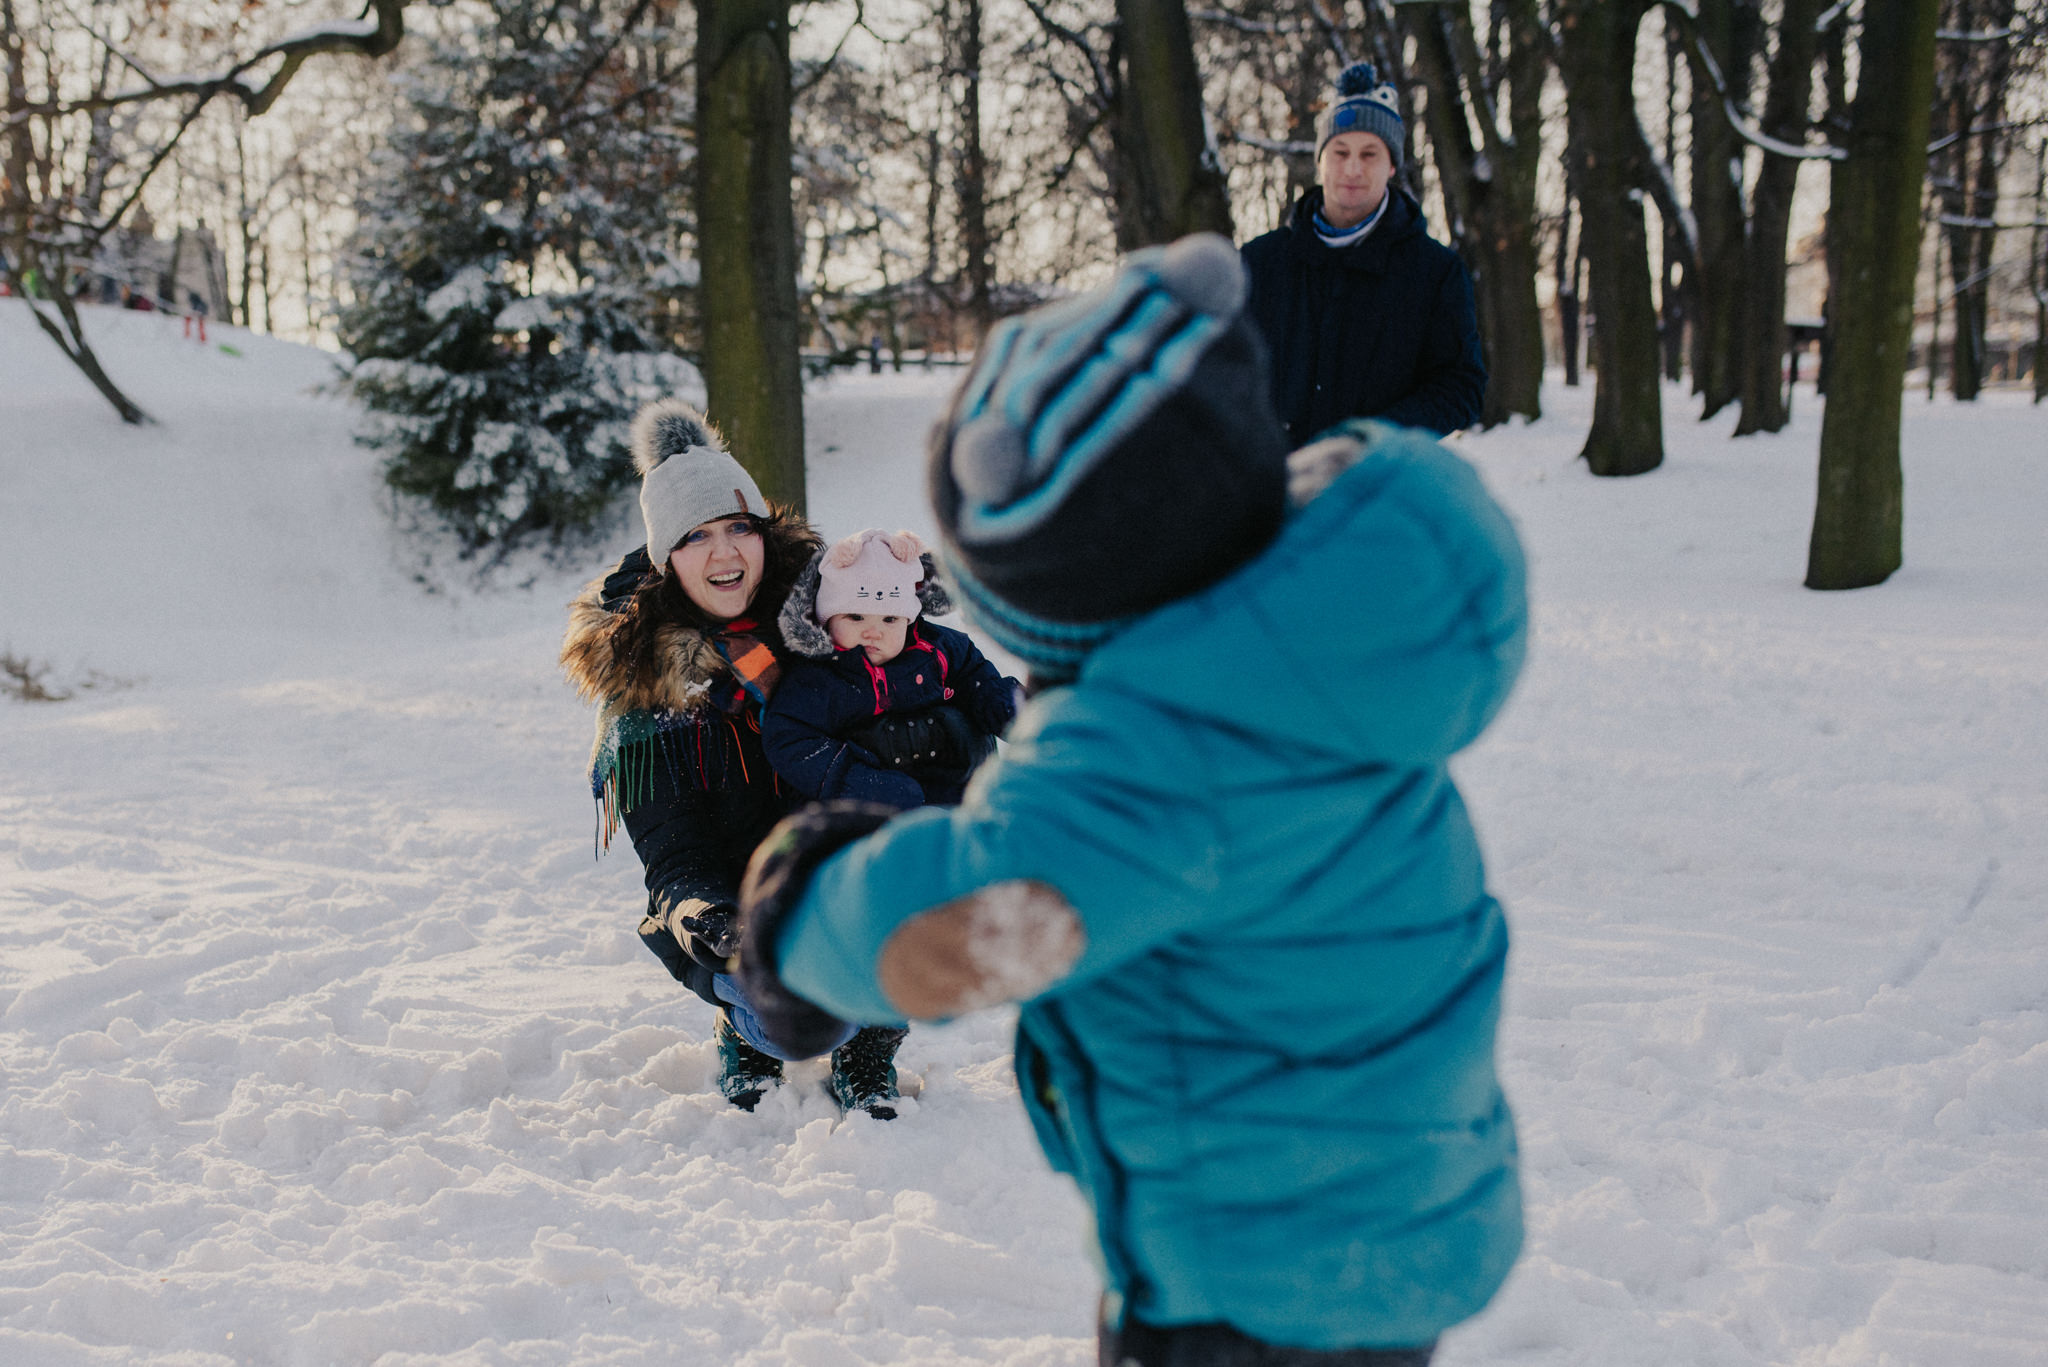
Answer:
(776, 879)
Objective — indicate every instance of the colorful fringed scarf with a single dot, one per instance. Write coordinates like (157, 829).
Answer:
(752, 662)
(701, 747)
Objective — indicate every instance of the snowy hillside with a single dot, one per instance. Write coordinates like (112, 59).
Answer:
(324, 1039)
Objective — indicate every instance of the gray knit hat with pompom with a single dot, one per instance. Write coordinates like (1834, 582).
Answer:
(686, 476)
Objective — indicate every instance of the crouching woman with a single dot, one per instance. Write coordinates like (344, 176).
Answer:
(678, 648)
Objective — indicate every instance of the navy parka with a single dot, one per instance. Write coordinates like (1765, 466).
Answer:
(1383, 328)
(821, 704)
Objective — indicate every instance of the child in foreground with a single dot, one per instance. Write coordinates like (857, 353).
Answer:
(1221, 861)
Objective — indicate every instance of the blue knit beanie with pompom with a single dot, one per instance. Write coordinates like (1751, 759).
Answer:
(1363, 104)
(1109, 453)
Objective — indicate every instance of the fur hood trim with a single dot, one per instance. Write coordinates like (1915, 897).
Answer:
(630, 656)
(669, 427)
(800, 629)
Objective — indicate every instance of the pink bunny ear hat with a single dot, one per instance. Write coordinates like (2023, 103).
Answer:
(871, 571)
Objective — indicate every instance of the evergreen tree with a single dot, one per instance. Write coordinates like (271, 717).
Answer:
(517, 264)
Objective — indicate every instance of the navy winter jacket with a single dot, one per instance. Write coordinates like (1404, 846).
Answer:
(812, 725)
(1383, 328)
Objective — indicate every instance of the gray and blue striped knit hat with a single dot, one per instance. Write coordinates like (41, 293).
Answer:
(1108, 454)
(1364, 104)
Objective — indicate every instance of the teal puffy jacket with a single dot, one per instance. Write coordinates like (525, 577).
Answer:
(1271, 1068)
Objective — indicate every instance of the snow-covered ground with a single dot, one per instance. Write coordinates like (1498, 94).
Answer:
(324, 1039)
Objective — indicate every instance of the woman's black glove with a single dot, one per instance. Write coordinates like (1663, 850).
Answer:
(717, 927)
(777, 876)
(706, 931)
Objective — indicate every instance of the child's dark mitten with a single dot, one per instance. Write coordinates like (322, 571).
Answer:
(776, 879)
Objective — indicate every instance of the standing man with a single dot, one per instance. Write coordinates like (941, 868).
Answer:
(1365, 315)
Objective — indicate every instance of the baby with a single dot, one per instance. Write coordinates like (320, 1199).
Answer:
(860, 651)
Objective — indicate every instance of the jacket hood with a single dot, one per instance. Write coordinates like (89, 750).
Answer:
(801, 631)
(621, 649)
(1404, 219)
(1384, 624)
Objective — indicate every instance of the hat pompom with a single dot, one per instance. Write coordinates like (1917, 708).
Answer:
(988, 460)
(1360, 78)
(1204, 271)
(669, 427)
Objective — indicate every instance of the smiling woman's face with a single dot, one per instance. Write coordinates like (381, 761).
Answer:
(719, 565)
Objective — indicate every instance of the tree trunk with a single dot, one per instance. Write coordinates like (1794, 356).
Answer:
(1764, 339)
(971, 187)
(1491, 192)
(1874, 198)
(1597, 55)
(1568, 286)
(243, 306)
(2037, 270)
(263, 283)
(1675, 284)
(1834, 66)
(1729, 29)
(1517, 385)
(1169, 182)
(746, 230)
(932, 163)
(1971, 81)
(1934, 322)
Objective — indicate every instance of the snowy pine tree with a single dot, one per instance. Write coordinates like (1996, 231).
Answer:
(516, 270)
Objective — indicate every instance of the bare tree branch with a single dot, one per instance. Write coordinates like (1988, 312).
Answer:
(604, 55)
(1105, 87)
(1744, 129)
(1332, 33)
(364, 36)
(1942, 143)
(860, 21)
(1243, 25)
(1949, 35)
(1278, 148)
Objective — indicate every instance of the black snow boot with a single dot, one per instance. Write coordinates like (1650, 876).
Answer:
(744, 1073)
(864, 1071)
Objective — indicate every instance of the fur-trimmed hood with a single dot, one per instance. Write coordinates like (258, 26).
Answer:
(623, 650)
(800, 629)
